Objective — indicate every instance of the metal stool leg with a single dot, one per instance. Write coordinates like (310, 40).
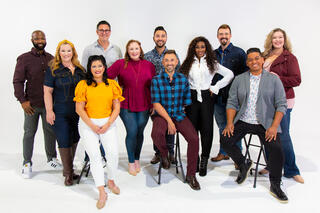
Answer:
(159, 171)
(82, 171)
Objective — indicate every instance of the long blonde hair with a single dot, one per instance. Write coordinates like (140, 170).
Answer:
(56, 61)
(268, 43)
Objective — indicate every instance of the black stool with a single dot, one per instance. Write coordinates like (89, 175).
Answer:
(177, 164)
(85, 169)
(247, 155)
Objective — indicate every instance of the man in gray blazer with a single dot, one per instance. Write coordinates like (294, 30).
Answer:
(256, 105)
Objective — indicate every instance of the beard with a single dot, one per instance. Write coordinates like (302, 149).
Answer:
(223, 41)
(161, 45)
(39, 47)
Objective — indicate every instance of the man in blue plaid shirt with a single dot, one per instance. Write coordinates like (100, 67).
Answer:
(170, 93)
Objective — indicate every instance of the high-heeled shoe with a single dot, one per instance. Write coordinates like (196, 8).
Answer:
(101, 203)
(115, 189)
(137, 165)
(132, 169)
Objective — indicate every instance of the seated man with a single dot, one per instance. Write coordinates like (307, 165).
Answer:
(256, 105)
(170, 93)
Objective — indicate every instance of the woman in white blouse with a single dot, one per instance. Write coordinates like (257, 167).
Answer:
(200, 66)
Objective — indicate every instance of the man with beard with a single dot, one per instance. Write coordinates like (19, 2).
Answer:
(155, 56)
(170, 93)
(234, 58)
(30, 71)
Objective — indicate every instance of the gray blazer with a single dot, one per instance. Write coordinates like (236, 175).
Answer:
(271, 97)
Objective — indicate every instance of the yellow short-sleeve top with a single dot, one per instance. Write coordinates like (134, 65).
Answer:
(98, 99)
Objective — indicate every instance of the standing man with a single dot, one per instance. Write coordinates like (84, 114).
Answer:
(109, 51)
(102, 46)
(170, 93)
(234, 58)
(155, 56)
(256, 105)
(28, 89)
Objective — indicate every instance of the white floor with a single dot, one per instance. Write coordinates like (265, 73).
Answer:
(45, 191)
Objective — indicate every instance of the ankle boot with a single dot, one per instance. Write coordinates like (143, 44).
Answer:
(275, 191)
(67, 162)
(203, 166)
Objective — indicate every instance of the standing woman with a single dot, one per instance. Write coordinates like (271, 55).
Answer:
(98, 104)
(200, 66)
(280, 60)
(60, 81)
(134, 75)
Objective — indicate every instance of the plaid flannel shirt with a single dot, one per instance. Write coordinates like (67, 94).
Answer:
(173, 96)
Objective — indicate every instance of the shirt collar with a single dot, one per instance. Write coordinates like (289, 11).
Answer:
(228, 49)
(34, 51)
(96, 44)
(155, 52)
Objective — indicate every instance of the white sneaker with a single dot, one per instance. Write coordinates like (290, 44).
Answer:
(55, 164)
(26, 171)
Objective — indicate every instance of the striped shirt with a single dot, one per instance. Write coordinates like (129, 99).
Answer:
(173, 96)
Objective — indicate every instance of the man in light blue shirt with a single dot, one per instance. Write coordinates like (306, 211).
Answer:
(102, 46)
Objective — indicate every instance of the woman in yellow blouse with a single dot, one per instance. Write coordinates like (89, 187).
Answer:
(98, 104)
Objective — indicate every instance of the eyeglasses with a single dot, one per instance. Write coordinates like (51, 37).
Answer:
(103, 31)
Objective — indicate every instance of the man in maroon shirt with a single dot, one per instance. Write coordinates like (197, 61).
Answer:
(28, 89)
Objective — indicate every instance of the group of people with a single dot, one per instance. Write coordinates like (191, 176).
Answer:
(248, 92)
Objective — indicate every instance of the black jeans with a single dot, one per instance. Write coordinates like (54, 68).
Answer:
(201, 116)
(274, 148)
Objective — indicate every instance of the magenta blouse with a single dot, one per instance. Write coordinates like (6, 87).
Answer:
(135, 81)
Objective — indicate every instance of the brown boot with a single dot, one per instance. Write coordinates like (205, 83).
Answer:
(74, 149)
(67, 162)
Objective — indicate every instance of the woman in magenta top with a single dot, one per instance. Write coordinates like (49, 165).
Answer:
(134, 76)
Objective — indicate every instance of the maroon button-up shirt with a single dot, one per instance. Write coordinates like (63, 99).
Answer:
(30, 70)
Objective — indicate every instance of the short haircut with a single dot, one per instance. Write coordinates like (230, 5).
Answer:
(224, 26)
(159, 28)
(254, 50)
(103, 22)
(170, 52)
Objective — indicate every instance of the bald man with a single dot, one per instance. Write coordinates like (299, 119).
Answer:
(28, 89)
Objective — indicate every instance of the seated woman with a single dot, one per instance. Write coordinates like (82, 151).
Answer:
(98, 105)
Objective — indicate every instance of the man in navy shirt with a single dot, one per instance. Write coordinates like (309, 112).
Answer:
(234, 58)
(170, 93)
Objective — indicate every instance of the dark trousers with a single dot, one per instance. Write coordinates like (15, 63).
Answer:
(274, 148)
(201, 116)
(30, 129)
(170, 145)
(185, 127)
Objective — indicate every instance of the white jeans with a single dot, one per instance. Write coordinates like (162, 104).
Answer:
(91, 144)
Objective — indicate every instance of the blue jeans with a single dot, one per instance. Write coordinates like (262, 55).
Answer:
(134, 122)
(220, 115)
(290, 168)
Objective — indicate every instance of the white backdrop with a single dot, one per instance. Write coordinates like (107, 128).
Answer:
(250, 21)
(76, 21)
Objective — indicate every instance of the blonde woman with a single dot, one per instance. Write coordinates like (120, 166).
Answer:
(280, 61)
(60, 81)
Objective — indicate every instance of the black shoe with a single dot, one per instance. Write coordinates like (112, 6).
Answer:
(155, 159)
(275, 191)
(203, 166)
(171, 158)
(244, 170)
(165, 163)
(193, 183)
